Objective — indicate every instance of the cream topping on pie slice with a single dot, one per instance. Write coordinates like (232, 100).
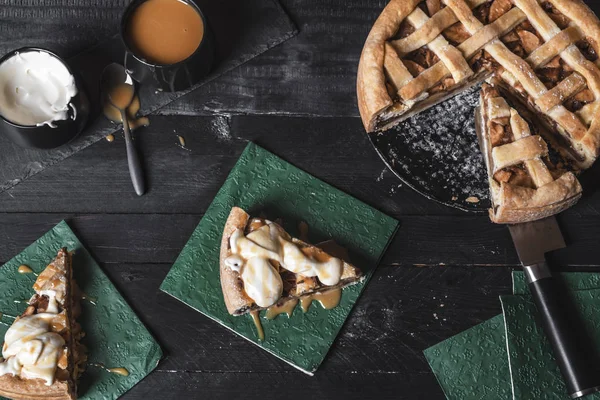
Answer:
(261, 265)
(253, 254)
(31, 348)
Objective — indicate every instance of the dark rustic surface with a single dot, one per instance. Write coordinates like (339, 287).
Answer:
(442, 274)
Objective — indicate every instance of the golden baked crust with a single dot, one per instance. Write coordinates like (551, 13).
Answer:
(524, 204)
(373, 97)
(379, 109)
(507, 143)
(544, 51)
(236, 300)
(13, 387)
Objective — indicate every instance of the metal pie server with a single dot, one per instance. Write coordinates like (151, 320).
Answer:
(570, 345)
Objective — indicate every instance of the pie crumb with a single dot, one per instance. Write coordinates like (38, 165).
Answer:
(472, 199)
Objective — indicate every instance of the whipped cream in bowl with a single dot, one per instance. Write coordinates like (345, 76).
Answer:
(41, 104)
(36, 89)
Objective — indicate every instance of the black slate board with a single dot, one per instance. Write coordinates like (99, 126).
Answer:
(437, 153)
(243, 29)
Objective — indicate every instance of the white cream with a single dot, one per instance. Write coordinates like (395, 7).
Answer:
(52, 302)
(329, 272)
(31, 350)
(35, 89)
(262, 283)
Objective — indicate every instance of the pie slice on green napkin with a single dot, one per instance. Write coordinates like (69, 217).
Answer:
(115, 337)
(262, 183)
(534, 372)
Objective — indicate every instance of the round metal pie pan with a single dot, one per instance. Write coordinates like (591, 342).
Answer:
(437, 154)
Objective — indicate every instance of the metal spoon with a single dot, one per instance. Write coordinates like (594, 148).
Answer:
(118, 88)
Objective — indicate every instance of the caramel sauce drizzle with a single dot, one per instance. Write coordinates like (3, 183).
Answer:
(117, 371)
(181, 143)
(259, 329)
(303, 231)
(114, 114)
(57, 326)
(25, 269)
(329, 299)
(285, 308)
(110, 138)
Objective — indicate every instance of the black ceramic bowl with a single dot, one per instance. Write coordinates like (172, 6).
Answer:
(169, 77)
(44, 136)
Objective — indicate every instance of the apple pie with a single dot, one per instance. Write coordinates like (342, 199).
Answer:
(544, 53)
(528, 178)
(262, 265)
(42, 354)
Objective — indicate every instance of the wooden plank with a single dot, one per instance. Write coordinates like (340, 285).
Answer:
(312, 74)
(182, 181)
(64, 26)
(291, 386)
(401, 312)
(477, 241)
(439, 241)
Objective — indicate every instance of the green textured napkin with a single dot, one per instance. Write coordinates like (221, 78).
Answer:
(475, 365)
(263, 183)
(534, 372)
(115, 337)
(573, 280)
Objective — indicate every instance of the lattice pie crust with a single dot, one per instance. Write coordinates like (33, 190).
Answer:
(542, 53)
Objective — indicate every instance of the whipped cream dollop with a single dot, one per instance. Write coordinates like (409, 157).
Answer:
(31, 349)
(36, 88)
(251, 256)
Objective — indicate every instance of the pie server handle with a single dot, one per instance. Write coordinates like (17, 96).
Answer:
(572, 349)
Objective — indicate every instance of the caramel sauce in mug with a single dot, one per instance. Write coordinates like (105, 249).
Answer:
(164, 31)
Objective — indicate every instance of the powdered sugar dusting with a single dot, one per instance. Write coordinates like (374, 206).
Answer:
(437, 152)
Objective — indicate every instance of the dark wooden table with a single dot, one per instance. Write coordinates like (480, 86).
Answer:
(442, 274)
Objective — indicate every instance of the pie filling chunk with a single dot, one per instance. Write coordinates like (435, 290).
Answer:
(544, 53)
